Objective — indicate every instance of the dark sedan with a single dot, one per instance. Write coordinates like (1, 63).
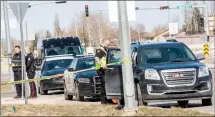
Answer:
(52, 66)
(80, 84)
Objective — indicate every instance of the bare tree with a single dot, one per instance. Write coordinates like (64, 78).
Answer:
(192, 21)
(48, 34)
(88, 29)
(57, 29)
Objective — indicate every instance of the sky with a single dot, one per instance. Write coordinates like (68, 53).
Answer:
(41, 17)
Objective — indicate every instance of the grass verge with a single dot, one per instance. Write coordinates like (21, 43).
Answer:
(91, 110)
(5, 89)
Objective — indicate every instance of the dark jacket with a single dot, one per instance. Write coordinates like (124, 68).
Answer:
(16, 60)
(29, 61)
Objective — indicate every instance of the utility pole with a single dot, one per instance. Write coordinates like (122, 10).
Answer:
(128, 81)
(7, 30)
(207, 28)
(214, 17)
(138, 28)
(168, 17)
(26, 29)
(100, 32)
(89, 32)
(76, 29)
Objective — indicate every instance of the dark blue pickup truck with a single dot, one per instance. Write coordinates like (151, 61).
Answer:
(162, 72)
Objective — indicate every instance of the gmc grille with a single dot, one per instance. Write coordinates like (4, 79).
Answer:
(179, 77)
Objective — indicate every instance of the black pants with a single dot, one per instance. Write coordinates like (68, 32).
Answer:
(103, 98)
(18, 77)
(33, 89)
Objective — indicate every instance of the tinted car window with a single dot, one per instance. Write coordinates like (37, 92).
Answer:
(57, 64)
(115, 56)
(63, 50)
(85, 63)
(165, 54)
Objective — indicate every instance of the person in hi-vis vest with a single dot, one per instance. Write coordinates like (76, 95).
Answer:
(100, 63)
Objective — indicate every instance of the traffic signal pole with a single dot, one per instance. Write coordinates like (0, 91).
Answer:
(207, 29)
(7, 31)
(128, 81)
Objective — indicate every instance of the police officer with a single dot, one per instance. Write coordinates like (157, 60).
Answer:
(17, 69)
(30, 69)
(100, 60)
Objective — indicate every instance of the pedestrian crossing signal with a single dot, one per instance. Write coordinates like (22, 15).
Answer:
(206, 49)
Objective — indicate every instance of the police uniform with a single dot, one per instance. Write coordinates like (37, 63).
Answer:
(30, 69)
(17, 69)
(100, 60)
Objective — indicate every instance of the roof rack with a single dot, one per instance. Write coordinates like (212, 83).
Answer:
(171, 40)
(135, 43)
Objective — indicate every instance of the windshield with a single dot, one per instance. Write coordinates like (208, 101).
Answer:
(165, 54)
(115, 56)
(57, 64)
(76, 50)
(86, 63)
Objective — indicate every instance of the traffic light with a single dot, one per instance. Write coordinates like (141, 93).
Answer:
(202, 21)
(164, 7)
(86, 11)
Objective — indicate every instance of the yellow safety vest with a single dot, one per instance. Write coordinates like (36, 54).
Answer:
(100, 62)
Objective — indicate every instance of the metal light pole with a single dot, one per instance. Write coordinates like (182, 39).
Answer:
(207, 28)
(100, 32)
(89, 32)
(26, 29)
(138, 32)
(7, 30)
(128, 81)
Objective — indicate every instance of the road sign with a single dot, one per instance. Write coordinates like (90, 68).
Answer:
(183, 7)
(206, 49)
(113, 12)
(17, 7)
(173, 28)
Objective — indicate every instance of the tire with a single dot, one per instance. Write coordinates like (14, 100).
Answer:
(138, 95)
(38, 90)
(183, 103)
(43, 92)
(207, 102)
(66, 96)
(77, 96)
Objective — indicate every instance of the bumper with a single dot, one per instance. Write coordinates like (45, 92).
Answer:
(158, 91)
(51, 84)
(87, 89)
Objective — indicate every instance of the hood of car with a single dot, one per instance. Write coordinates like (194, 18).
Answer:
(86, 74)
(52, 72)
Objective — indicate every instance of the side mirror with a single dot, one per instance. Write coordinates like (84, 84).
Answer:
(70, 69)
(200, 56)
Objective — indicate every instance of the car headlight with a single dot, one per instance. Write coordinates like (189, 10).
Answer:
(203, 71)
(151, 74)
(84, 80)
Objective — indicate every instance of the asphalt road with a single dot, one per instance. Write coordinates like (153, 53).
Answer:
(57, 97)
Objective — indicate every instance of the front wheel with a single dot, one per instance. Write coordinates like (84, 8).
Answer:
(77, 96)
(66, 96)
(43, 92)
(207, 102)
(183, 103)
